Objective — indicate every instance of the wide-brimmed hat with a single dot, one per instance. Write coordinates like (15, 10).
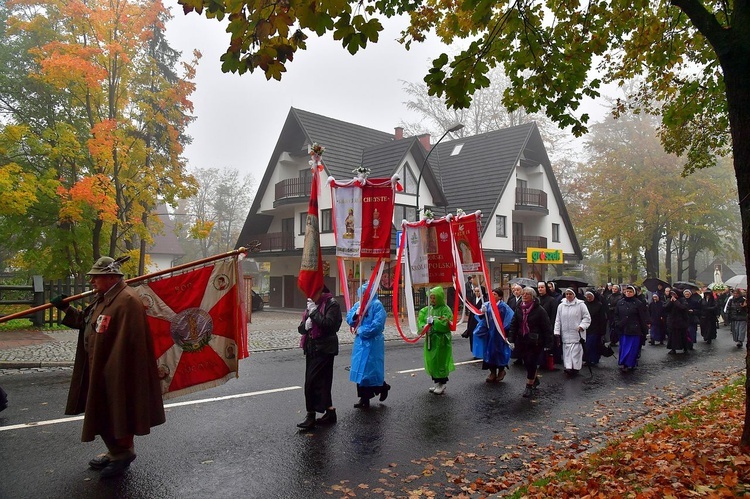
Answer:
(105, 266)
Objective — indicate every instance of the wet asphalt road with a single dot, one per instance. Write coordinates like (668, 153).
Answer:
(249, 446)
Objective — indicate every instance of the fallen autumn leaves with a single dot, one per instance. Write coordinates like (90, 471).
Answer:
(692, 452)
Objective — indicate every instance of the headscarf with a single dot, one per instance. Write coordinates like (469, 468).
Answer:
(526, 308)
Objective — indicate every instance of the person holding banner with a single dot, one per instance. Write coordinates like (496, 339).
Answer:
(115, 381)
(436, 318)
(530, 333)
(476, 345)
(320, 343)
(368, 353)
(497, 350)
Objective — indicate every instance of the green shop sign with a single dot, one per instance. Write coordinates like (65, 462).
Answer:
(544, 255)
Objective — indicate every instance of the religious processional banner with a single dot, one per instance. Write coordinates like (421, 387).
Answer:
(430, 250)
(467, 232)
(310, 278)
(199, 326)
(363, 214)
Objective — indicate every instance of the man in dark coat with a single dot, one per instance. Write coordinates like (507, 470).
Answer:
(612, 300)
(549, 303)
(115, 381)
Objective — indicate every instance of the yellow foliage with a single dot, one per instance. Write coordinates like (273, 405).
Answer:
(17, 190)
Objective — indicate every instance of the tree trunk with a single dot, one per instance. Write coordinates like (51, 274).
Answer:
(736, 68)
(668, 259)
(651, 254)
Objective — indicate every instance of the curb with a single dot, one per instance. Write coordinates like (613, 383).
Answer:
(33, 364)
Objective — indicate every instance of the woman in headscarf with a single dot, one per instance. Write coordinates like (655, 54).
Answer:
(497, 349)
(571, 321)
(530, 333)
(676, 311)
(320, 323)
(708, 316)
(368, 352)
(694, 316)
(631, 320)
(658, 322)
(596, 331)
(438, 350)
(476, 345)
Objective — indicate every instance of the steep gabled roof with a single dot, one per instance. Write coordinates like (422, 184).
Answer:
(384, 159)
(344, 142)
(166, 242)
(477, 177)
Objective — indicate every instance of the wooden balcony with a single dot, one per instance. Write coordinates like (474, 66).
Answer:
(292, 190)
(521, 243)
(275, 241)
(531, 200)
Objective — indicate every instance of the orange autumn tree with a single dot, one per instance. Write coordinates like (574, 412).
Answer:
(122, 109)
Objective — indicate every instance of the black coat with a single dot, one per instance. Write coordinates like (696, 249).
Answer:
(598, 314)
(540, 330)
(329, 323)
(631, 318)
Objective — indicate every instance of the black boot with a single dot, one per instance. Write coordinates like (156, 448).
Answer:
(363, 403)
(330, 416)
(384, 391)
(528, 391)
(309, 421)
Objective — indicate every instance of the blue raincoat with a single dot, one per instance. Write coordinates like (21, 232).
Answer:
(368, 353)
(497, 350)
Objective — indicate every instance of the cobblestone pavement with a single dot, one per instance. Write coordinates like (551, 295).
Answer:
(269, 330)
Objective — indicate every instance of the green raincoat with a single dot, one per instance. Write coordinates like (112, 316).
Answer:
(438, 350)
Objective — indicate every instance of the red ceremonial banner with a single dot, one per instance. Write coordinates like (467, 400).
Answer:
(199, 327)
(430, 247)
(363, 214)
(467, 230)
(310, 279)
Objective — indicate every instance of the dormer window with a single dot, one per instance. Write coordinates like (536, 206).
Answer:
(457, 149)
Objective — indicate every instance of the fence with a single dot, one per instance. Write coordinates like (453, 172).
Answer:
(38, 293)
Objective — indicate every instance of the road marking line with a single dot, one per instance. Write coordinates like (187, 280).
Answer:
(166, 406)
(422, 368)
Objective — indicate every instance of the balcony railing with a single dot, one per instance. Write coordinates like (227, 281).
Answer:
(533, 198)
(275, 241)
(292, 189)
(521, 243)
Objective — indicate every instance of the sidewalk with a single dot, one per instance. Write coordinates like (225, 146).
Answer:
(271, 329)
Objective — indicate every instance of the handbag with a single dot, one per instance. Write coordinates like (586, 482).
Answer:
(607, 350)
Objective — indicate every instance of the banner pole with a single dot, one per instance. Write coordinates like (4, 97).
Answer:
(255, 247)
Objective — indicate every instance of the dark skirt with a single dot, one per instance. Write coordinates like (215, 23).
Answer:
(678, 339)
(630, 347)
(318, 381)
(657, 331)
(593, 352)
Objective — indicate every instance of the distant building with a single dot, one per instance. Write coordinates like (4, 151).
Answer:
(166, 251)
(506, 174)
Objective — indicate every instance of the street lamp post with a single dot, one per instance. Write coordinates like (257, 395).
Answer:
(456, 127)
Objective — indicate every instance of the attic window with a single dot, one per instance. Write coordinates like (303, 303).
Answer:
(457, 150)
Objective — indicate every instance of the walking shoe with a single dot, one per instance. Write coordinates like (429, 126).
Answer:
(536, 382)
(384, 391)
(330, 416)
(309, 421)
(117, 467)
(363, 403)
(439, 389)
(672, 352)
(528, 391)
(501, 374)
(491, 378)
(739, 345)
(433, 388)
(100, 462)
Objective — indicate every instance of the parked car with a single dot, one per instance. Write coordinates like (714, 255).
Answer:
(257, 303)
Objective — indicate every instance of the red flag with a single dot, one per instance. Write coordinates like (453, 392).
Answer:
(310, 279)
(199, 327)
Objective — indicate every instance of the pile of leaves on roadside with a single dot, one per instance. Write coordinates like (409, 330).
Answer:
(694, 452)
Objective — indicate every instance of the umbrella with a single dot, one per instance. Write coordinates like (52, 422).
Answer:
(569, 282)
(652, 284)
(738, 281)
(683, 285)
(524, 281)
